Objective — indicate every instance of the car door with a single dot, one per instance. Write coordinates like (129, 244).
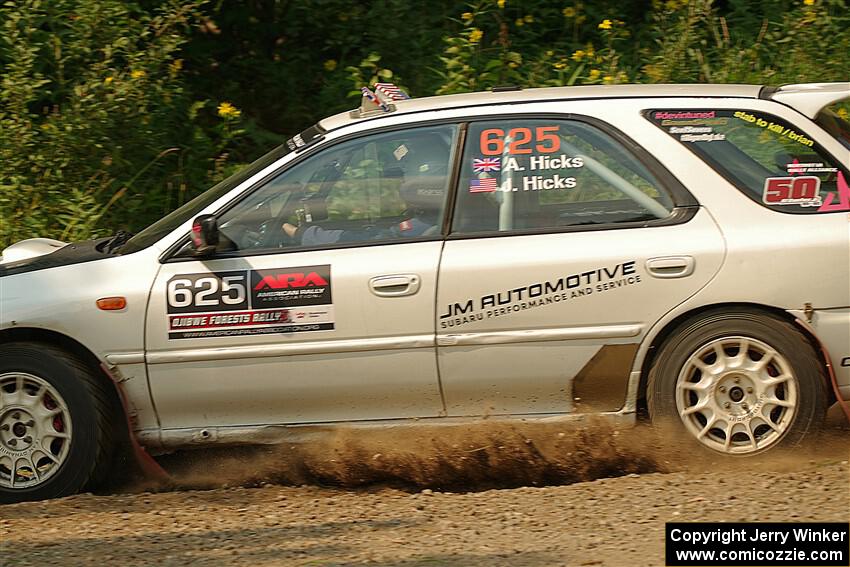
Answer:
(319, 304)
(568, 242)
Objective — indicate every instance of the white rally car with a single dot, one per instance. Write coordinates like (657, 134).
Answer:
(678, 251)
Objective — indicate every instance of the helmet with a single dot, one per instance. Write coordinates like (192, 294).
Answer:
(424, 161)
(424, 194)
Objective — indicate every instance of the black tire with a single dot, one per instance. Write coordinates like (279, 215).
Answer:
(93, 415)
(780, 335)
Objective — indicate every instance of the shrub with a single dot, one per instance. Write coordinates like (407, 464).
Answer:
(93, 116)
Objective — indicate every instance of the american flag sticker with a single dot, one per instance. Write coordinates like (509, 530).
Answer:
(487, 185)
(391, 91)
(486, 164)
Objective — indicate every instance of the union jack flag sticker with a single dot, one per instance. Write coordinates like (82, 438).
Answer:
(487, 185)
(486, 164)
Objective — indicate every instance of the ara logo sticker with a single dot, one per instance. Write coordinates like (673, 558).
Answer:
(291, 287)
(296, 280)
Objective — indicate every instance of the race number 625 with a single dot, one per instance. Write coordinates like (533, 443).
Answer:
(207, 291)
(544, 140)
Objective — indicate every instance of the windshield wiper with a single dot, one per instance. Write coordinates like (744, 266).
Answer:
(119, 239)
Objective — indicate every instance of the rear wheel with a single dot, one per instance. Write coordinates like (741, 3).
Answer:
(57, 423)
(738, 383)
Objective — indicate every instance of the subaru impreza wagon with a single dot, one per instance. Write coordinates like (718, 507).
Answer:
(675, 252)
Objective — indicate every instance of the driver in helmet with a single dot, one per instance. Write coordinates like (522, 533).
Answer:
(423, 190)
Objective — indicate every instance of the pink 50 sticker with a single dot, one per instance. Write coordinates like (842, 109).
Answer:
(803, 191)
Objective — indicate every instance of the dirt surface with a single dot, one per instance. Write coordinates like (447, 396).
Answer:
(360, 499)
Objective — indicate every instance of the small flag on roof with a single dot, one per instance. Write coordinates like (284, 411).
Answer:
(390, 91)
(370, 101)
(379, 100)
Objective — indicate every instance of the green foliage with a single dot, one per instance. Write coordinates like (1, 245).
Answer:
(800, 44)
(674, 41)
(370, 72)
(95, 124)
(113, 113)
(291, 62)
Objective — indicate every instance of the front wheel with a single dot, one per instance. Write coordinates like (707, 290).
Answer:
(57, 423)
(738, 383)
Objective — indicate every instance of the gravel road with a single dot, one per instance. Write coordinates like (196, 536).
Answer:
(379, 514)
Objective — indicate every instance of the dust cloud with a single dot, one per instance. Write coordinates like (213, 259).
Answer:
(469, 457)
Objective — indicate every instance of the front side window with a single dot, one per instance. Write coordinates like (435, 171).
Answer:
(384, 187)
(536, 174)
(768, 159)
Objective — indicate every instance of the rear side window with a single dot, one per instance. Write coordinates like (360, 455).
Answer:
(768, 159)
(835, 122)
(549, 174)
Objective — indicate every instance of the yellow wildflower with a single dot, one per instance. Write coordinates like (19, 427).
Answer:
(561, 65)
(809, 2)
(475, 35)
(107, 80)
(330, 64)
(607, 79)
(590, 51)
(466, 17)
(528, 19)
(228, 111)
(594, 74)
(569, 12)
(519, 23)
(501, 4)
(654, 72)
(578, 55)
(550, 53)
(605, 25)
(843, 114)
(137, 74)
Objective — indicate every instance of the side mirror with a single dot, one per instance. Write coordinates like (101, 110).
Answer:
(205, 235)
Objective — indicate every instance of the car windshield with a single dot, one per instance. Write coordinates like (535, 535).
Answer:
(833, 123)
(177, 217)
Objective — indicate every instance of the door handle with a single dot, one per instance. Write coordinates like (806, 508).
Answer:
(670, 266)
(397, 285)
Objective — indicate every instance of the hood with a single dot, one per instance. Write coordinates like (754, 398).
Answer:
(30, 248)
(41, 253)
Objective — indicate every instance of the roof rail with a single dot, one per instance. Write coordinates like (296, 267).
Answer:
(505, 88)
